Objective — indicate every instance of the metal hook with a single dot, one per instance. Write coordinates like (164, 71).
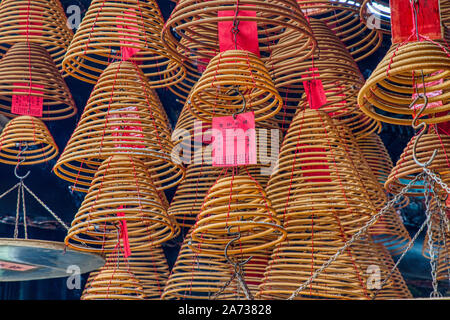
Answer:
(423, 126)
(244, 102)
(21, 161)
(236, 265)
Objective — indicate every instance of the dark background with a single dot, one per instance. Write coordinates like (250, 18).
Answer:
(56, 194)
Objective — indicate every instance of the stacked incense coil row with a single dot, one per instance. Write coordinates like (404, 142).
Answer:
(36, 22)
(122, 115)
(129, 29)
(342, 17)
(121, 191)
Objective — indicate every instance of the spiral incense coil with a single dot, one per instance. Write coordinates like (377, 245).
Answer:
(343, 18)
(113, 284)
(121, 192)
(399, 289)
(445, 13)
(308, 248)
(29, 63)
(40, 22)
(204, 276)
(236, 204)
(129, 29)
(332, 64)
(149, 267)
(316, 172)
(122, 115)
(396, 81)
(195, 23)
(190, 194)
(376, 14)
(26, 138)
(234, 79)
(406, 168)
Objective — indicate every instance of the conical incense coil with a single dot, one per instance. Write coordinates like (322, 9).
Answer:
(129, 29)
(332, 64)
(28, 71)
(199, 275)
(196, 23)
(36, 22)
(236, 204)
(445, 13)
(343, 18)
(399, 289)
(396, 81)
(234, 79)
(148, 266)
(113, 284)
(315, 171)
(376, 14)
(26, 138)
(122, 115)
(406, 168)
(121, 192)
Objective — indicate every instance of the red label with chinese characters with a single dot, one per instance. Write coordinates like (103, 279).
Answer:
(247, 37)
(5, 265)
(318, 154)
(126, 125)
(402, 20)
(234, 140)
(314, 90)
(128, 32)
(29, 104)
(124, 234)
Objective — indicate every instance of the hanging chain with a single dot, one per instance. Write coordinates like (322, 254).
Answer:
(356, 236)
(16, 224)
(226, 285)
(24, 211)
(238, 274)
(437, 179)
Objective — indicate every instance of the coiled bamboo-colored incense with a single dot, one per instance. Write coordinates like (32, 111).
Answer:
(113, 284)
(395, 82)
(122, 115)
(122, 191)
(29, 64)
(198, 275)
(234, 78)
(343, 18)
(236, 204)
(26, 138)
(406, 169)
(112, 29)
(148, 266)
(41, 22)
(196, 23)
(445, 13)
(375, 17)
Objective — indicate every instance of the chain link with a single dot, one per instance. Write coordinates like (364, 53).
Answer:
(238, 274)
(356, 236)
(437, 179)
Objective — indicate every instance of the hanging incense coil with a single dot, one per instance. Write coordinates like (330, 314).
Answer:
(376, 14)
(315, 171)
(127, 30)
(236, 204)
(148, 266)
(36, 22)
(394, 84)
(122, 115)
(28, 65)
(343, 18)
(406, 169)
(113, 284)
(121, 192)
(232, 80)
(195, 22)
(198, 275)
(26, 138)
(445, 13)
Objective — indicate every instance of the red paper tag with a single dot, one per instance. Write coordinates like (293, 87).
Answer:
(251, 270)
(5, 265)
(202, 132)
(128, 32)
(128, 128)
(314, 90)
(402, 20)
(234, 140)
(28, 27)
(429, 94)
(124, 234)
(443, 127)
(30, 104)
(247, 37)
